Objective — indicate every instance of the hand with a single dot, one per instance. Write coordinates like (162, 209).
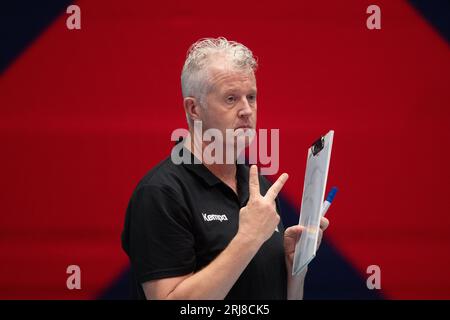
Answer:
(292, 235)
(259, 218)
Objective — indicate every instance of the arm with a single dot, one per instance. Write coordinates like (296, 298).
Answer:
(212, 282)
(295, 284)
(257, 222)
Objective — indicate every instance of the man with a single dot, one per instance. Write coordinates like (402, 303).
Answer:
(212, 230)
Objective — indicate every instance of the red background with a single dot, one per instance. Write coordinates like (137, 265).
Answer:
(84, 114)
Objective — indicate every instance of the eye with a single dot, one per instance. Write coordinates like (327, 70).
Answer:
(231, 99)
(251, 97)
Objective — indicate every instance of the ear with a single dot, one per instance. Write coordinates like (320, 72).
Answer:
(192, 109)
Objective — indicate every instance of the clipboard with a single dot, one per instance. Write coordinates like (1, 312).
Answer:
(317, 164)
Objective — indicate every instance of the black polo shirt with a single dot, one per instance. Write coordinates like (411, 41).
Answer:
(180, 217)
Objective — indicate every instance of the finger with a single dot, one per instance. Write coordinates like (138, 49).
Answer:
(293, 232)
(253, 182)
(319, 238)
(272, 193)
(324, 223)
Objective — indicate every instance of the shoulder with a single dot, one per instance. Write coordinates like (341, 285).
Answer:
(166, 178)
(160, 193)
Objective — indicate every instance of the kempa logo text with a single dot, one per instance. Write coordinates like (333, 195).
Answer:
(214, 217)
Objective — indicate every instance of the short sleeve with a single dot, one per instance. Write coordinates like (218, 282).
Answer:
(158, 234)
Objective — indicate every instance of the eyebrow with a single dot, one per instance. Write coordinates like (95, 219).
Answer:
(234, 89)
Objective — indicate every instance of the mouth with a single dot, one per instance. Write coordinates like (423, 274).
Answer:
(245, 129)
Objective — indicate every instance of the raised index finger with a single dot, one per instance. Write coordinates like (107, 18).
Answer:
(253, 182)
(272, 193)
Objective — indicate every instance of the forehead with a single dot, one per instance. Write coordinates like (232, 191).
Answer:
(224, 78)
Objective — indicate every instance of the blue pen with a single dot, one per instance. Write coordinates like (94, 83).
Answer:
(329, 200)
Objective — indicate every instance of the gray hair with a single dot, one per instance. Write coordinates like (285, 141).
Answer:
(194, 77)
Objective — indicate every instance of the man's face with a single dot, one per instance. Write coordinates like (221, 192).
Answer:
(230, 101)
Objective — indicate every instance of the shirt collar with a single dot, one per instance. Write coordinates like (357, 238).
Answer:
(242, 174)
(200, 170)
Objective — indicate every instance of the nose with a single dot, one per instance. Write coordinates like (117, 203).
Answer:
(245, 110)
